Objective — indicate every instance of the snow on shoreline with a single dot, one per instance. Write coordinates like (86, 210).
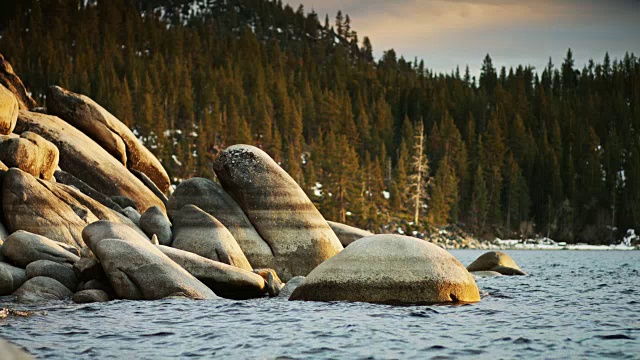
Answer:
(548, 244)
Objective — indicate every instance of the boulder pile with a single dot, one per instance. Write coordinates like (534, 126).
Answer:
(89, 214)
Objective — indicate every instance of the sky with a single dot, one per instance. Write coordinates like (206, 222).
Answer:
(446, 33)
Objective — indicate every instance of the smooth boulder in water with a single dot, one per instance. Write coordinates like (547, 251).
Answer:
(95, 121)
(496, 261)
(8, 111)
(11, 278)
(90, 296)
(200, 233)
(54, 270)
(142, 272)
(30, 153)
(42, 288)
(278, 208)
(347, 234)
(23, 248)
(155, 222)
(214, 200)
(56, 211)
(290, 286)
(81, 157)
(390, 269)
(225, 280)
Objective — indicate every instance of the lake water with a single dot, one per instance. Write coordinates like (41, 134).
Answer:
(573, 305)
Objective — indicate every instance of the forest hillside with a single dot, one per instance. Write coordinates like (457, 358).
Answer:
(384, 144)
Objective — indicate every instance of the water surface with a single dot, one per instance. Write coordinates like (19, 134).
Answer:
(573, 305)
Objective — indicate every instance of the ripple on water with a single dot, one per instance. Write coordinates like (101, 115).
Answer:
(576, 304)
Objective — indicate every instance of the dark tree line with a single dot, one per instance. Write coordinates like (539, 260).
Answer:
(373, 142)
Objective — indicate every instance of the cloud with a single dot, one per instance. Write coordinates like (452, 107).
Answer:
(451, 32)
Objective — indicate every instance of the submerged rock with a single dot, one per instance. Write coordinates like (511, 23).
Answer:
(83, 158)
(11, 278)
(390, 269)
(90, 296)
(30, 153)
(155, 222)
(211, 198)
(8, 111)
(484, 274)
(278, 208)
(225, 280)
(347, 234)
(42, 288)
(56, 211)
(54, 270)
(92, 119)
(200, 233)
(290, 286)
(23, 248)
(496, 261)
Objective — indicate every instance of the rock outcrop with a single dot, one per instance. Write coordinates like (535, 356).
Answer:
(109, 132)
(278, 208)
(23, 248)
(200, 233)
(42, 288)
(347, 234)
(155, 222)
(12, 82)
(390, 269)
(8, 110)
(83, 158)
(225, 280)
(496, 261)
(211, 198)
(56, 211)
(30, 153)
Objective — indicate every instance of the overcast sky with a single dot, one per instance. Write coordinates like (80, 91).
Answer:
(446, 33)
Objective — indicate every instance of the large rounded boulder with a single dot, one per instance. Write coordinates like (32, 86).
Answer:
(30, 153)
(137, 269)
(22, 248)
(109, 132)
(390, 269)
(225, 280)
(211, 198)
(8, 111)
(81, 157)
(278, 208)
(200, 233)
(56, 211)
(347, 234)
(496, 261)
(11, 278)
(155, 222)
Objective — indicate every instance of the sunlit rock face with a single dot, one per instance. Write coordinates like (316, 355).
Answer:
(390, 269)
(87, 161)
(92, 119)
(278, 208)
